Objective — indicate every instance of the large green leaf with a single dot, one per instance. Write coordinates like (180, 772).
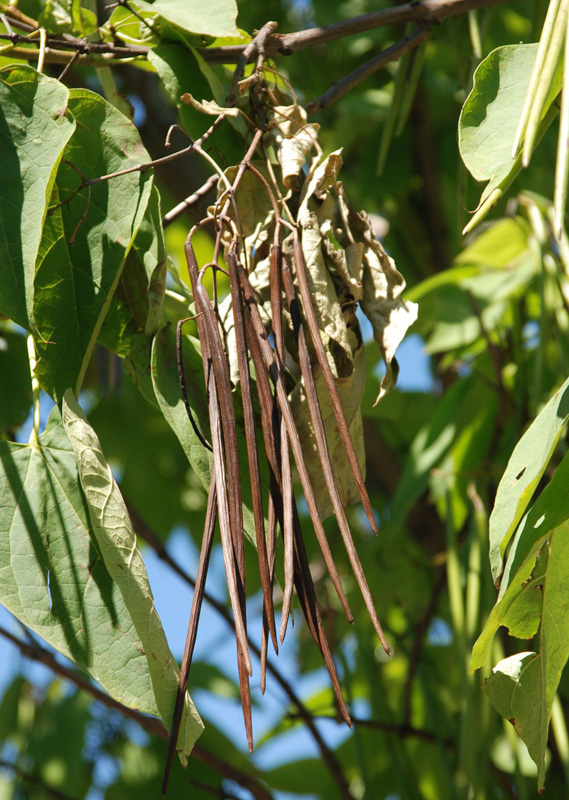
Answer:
(86, 238)
(523, 687)
(214, 18)
(35, 125)
(116, 538)
(523, 473)
(52, 572)
(518, 607)
(490, 115)
(135, 310)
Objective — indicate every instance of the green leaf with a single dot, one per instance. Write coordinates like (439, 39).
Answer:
(35, 126)
(214, 18)
(516, 692)
(135, 309)
(53, 576)
(523, 687)
(9, 708)
(523, 473)
(489, 117)
(57, 739)
(169, 395)
(498, 245)
(69, 16)
(87, 237)
(117, 541)
(516, 606)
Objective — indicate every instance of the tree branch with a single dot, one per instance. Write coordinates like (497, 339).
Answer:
(29, 777)
(349, 81)
(426, 13)
(35, 652)
(402, 729)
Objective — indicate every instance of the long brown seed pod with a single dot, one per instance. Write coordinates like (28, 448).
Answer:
(251, 441)
(327, 468)
(300, 269)
(268, 358)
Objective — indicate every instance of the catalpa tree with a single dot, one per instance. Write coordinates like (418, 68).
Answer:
(198, 341)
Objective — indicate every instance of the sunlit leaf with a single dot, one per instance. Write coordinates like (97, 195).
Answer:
(490, 115)
(35, 126)
(523, 473)
(86, 239)
(117, 542)
(53, 574)
(215, 18)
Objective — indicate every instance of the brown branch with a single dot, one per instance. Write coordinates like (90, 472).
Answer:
(190, 201)
(28, 777)
(255, 49)
(427, 13)
(402, 730)
(349, 81)
(35, 652)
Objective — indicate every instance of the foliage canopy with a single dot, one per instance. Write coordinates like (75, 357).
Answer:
(192, 315)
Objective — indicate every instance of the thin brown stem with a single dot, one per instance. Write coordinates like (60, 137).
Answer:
(347, 83)
(34, 780)
(428, 12)
(189, 202)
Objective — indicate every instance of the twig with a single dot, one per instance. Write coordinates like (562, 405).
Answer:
(152, 725)
(69, 64)
(72, 43)
(391, 54)
(402, 729)
(28, 777)
(428, 12)
(255, 49)
(190, 201)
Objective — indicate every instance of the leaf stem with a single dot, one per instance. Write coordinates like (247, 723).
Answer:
(562, 167)
(35, 391)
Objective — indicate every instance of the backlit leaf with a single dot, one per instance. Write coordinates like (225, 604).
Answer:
(53, 575)
(117, 542)
(523, 473)
(214, 18)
